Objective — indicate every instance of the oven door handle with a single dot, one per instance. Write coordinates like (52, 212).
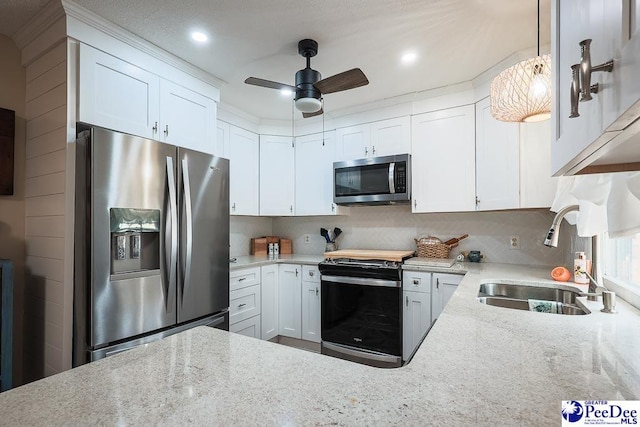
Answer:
(362, 281)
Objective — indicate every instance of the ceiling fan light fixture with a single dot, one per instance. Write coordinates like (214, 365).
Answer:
(308, 105)
(522, 93)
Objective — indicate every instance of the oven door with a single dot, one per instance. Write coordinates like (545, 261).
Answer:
(361, 320)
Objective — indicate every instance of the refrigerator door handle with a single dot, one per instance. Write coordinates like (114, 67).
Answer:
(189, 225)
(173, 207)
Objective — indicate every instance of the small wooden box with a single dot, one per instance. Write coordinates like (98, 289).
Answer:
(259, 246)
(272, 239)
(286, 246)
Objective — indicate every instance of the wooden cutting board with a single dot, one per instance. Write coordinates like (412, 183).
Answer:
(398, 256)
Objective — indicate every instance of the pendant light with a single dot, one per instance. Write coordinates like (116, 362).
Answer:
(522, 93)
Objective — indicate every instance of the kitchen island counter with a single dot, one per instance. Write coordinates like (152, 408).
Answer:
(479, 365)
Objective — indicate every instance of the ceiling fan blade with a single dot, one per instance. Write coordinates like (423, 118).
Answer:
(342, 81)
(317, 113)
(268, 83)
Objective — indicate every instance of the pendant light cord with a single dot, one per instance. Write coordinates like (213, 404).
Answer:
(538, 27)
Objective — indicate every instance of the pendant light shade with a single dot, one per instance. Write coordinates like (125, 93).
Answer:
(522, 93)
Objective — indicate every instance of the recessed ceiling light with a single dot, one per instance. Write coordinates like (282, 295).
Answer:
(286, 92)
(199, 36)
(409, 58)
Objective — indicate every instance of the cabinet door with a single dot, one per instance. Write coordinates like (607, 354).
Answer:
(416, 320)
(311, 311)
(269, 310)
(243, 176)
(443, 286)
(187, 119)
(222, 140)
(497, 161)
(443, 160)
(391, 136)
(572, 22)
(314, 174)
(353, 142)
(290, 300)
(537, 186)
(277, 175)
(249, 327)
(117, 95)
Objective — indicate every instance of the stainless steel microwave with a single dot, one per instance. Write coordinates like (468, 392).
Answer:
(373, 181)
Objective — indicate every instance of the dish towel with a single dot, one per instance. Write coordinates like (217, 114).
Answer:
(545, 306)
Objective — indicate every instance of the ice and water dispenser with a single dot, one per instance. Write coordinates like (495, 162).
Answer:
(135, 240)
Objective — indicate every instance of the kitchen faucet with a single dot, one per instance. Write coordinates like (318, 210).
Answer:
(554, 230)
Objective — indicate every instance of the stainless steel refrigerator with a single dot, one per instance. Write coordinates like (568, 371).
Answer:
(151, 242)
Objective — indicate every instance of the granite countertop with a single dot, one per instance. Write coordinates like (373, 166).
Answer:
(479, 365)
(257, 261)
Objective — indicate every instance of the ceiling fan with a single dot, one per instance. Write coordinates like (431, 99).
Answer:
(310, 86)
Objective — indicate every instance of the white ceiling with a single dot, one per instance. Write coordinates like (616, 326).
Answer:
(455, 40)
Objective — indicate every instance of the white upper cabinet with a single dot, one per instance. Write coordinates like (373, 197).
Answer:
(314, 175)
(593, 138)
(244, 166)
(391, 136)
(277, 156)
(223, 137)
(187, 118)
(443, 160)
(381, 138)
(497, 157)
(117, 95)
(537, 186)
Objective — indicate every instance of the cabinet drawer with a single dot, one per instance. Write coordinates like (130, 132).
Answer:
(243, 278)
(244, 303)
(310, 273)
(416, 281)
(249, 327)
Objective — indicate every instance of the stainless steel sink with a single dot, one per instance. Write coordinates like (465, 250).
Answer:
(517, 297)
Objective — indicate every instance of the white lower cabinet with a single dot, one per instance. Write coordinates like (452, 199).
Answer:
(249, 327)
(290, 300)
(270, 297)
(310, 303)
(245, 302)
(443, 286)
(416, 310)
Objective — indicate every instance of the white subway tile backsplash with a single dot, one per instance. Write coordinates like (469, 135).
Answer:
(395, 227)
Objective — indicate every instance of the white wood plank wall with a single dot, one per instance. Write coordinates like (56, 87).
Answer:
(46, 105)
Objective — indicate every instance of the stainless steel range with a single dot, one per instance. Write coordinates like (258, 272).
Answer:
(361, 310)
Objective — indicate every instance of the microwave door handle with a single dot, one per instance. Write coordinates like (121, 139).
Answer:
(392, 183)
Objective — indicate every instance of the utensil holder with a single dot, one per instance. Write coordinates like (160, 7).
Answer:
(331, 246)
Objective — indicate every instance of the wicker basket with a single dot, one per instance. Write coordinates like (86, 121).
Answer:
(431, 247)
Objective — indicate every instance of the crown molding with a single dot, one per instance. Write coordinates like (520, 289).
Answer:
(37, 25)
(97, 22)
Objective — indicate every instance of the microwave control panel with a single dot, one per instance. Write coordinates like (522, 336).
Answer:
(401, 177)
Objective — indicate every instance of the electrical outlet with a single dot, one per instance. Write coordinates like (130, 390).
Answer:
(307, 238)
(514, 242)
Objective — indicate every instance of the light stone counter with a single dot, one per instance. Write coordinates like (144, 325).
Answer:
(258, 261)
(479, 365)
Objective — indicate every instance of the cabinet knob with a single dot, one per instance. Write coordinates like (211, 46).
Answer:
(241, 279)
(241, 305)
(437, 283)
(586, 69)
(407, 300)
(373, 150)
(291, 208)
(366, 151)
(317, 291)
(155, 128)
(166, 130)
(416, 282)
(296, 272)
(233, 207)
(477, 200)
(311, 273)
(333, 207)
(575, 90)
